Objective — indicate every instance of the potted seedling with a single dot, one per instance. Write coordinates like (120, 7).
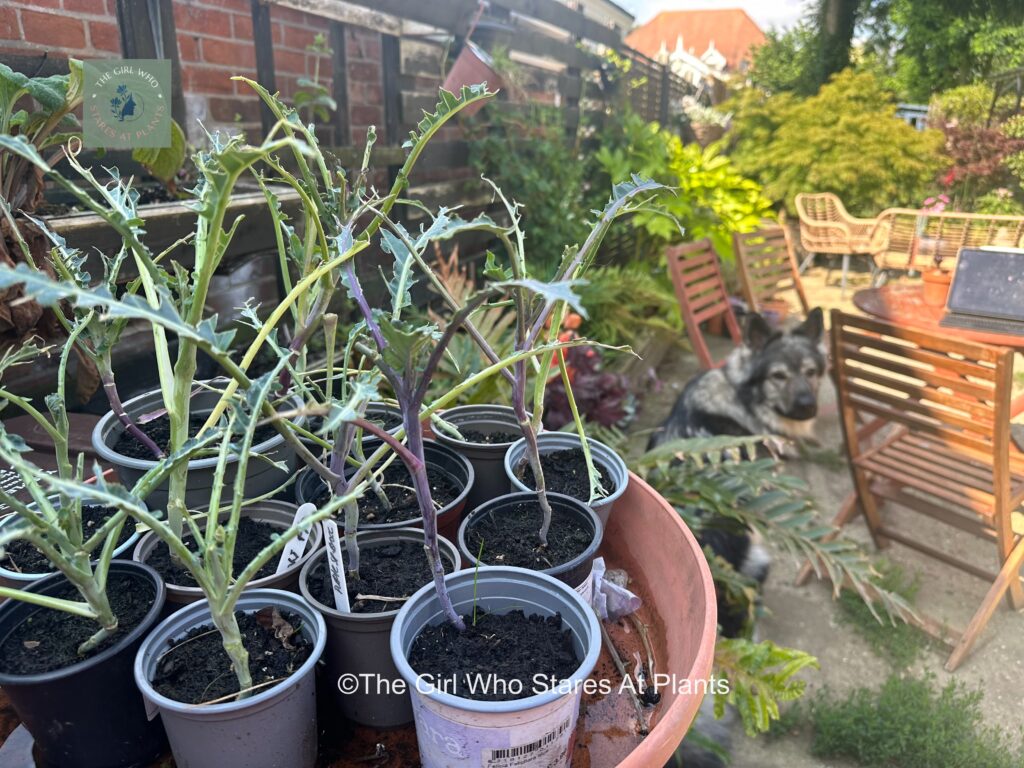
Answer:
(69, 639)
(468, 620)
(562, 462)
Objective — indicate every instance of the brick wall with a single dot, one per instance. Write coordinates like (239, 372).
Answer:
(214, 43)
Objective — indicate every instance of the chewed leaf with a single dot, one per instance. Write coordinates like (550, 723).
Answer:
(447, 107)
(557, 291)
(403, 278)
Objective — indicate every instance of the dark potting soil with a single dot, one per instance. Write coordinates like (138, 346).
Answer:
(509, 537)
(22, 557)
(159, 431)
(489, 438)
(564, 472)
(497, 659)
(196, 669)
(49, 640)
(252, 538)
(395, 569)
(397, 485)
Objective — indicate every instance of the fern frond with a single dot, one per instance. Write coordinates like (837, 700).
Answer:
(759, 676)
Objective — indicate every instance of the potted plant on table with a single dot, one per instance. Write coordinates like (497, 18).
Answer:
(937, 279)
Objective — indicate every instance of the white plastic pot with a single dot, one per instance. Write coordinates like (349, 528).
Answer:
(532, 732)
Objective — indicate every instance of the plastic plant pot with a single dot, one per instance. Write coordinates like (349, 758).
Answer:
(358, 643)
(273, 728)
(473, 65)
(90, 714)
(487, 458)
(373, 410)
(261, 476)
(575, 572)
(617, 474)
(309, 486)
(280, 514)
(20, 580)
(454, 732)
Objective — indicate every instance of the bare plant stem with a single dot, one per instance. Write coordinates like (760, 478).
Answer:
(114, 399)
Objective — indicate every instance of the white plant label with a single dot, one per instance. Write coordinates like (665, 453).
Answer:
(293, 549)
(337, 566)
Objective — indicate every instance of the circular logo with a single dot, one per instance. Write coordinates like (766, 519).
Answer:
(127, 105)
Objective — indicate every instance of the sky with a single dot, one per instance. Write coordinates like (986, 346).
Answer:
(767, 13)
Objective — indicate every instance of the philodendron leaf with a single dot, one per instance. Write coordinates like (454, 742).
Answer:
(561, 290)
(163, 163)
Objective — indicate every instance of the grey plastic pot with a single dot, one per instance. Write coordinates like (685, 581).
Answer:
(309, 486)
(358, 643)
(487, 458)
(548, 442)
(273, 728)
(19, 580)
(575, 572)
(261, 476)
(277, 513)
(454, 732)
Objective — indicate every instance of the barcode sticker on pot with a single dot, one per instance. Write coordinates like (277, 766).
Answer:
(337, 566)
(293, 549)
(548, 750)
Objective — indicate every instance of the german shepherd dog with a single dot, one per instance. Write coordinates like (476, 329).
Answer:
(766, 386)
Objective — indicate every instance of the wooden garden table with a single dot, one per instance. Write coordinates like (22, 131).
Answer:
(903, 305)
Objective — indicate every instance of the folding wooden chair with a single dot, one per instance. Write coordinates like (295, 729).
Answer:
(700, 289)
(767, 267)
(945, 451)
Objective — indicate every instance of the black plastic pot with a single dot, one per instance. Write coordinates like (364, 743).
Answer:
(309, 485)
(576, 572)
(373, 410)
(359, 644)
(487, 458)
(91, 714)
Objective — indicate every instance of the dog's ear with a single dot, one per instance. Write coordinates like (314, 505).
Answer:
(756, 332)
(813, 327)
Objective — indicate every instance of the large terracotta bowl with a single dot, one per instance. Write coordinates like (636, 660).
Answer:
(648, 538)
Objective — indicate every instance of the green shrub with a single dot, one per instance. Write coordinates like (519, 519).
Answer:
(908, 723)
(710, 197)
(846, 139)
(536, 165)
(966, 104)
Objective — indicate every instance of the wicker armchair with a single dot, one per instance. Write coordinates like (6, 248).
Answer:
(826, 227)
(905, 238)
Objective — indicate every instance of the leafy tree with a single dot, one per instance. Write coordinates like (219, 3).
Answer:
(784, 61)
(928, 46)
(836, 21)
(846, 139)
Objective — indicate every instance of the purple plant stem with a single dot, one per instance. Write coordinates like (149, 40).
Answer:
(110, 390)
(364, 306)
(420, 481)
(302, 336)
